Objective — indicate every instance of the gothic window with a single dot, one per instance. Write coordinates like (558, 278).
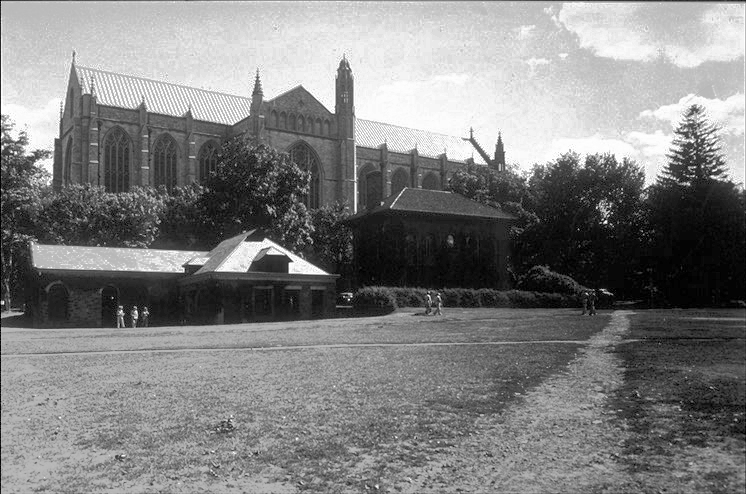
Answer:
(292, 120)
(117, 151)
(57, 298)
(301, 123)
(310, 126)
(164, 162)
(399, 180)
(208, 160)
(283, 120)
(326, 127)
(274, 119)
(373, 193)
(67, 166)
(430, 182)
(302, 155)
(319, 126)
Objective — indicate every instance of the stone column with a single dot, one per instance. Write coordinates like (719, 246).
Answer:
(144, 156)
(385, 172)
(443, 165)
(415, 169)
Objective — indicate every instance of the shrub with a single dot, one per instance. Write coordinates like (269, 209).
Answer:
(542, 279)
(378, 297)
(409, 297)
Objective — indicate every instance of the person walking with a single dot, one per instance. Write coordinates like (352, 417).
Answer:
(584, 297)
(120, 317)
(428, 303)
(592, 303)
(438, 304)
(134, 315)
(144, 316)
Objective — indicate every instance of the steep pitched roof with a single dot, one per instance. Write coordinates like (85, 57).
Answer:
(434, 202)
(119, 259)
(167, 98)
(371, 134)
(236, 254)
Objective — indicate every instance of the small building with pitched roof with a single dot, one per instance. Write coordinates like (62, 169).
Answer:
(120, 131)
(245, 278)
(429, 238)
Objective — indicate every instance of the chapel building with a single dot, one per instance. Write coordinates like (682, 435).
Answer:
(120, 131)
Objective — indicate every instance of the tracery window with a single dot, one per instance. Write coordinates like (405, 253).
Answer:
(164, 162)
(117, 150)
(399, 180)
(430, 182)
(302, 155)
(208, 160)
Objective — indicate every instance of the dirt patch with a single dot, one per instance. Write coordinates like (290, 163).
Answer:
(560, 439)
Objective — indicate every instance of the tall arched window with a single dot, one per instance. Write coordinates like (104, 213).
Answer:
(302, 155)
(66, 171)
(430, 182)
(283, 120)
(117, 150)
(274, 119)
(57, 302)
(369, 186)
(164, 162)
(399, 180)
(208, 160)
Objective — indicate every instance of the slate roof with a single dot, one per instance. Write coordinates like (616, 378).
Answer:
(119, 259)
(433, 202)
(168, 98)
(371, 134)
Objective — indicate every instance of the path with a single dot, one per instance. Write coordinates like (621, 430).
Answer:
(559, 439)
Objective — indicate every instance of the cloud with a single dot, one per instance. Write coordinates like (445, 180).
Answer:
(41, 125)
(625, 31)
(562, 55)
(535, 62)
(728, 113)
(652, 145)
(525, 32)
(590, 145)
(434, 83)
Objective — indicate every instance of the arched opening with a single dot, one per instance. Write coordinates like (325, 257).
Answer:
(109, 303)
(57, 298)
(164, 162)
(117, 157)
(431, 182)
(274, 119)
(399, 180)
(208, 160)
(305, 157)
(369, 187)
(283, 120)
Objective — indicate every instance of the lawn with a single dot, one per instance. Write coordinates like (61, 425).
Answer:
(233, 412)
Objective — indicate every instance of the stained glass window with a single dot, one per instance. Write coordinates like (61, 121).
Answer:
(164, 162)
(208, 160)
(117, 149)
(302, 155)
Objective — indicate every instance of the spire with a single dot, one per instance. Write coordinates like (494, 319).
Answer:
(499, 153)
(61, 110)
(74, 56)
(257, 85)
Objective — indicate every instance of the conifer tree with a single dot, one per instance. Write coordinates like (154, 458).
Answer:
(695, 154)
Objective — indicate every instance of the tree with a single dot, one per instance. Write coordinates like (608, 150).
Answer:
(332, 240)
(695, 152)
(257, 187)
(181, 218)
(589, 220)
(695, 219)
(83, 214)
(23, 181)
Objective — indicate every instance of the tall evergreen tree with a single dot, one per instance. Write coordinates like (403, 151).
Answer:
(695, 153)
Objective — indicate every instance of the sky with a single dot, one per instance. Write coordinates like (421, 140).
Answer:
(551, 77)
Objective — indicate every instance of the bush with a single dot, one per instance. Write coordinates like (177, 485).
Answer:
(542, 279)
(377, 298)
(389, 298)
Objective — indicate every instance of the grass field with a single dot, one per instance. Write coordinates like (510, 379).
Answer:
(340, 405)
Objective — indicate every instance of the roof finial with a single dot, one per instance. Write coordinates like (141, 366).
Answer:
(257, 85)
(471, 132)
(74, 56)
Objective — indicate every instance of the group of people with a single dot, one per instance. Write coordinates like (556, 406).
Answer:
(429, 304)
(135, 315)
(589, 302)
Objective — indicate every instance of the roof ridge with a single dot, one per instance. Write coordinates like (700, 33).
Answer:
(391, 206)
(162, 82)
(118, 247)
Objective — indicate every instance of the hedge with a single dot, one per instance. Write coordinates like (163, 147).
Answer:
(542, 279)
(389, 298)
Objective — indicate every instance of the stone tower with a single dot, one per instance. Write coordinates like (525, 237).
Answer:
(344, 110)
(499, 154)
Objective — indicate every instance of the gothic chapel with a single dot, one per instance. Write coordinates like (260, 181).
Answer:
(120, 131)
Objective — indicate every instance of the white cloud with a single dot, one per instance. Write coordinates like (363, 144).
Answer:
(41, 125)
(653, 145)
(620, 31)
(524, 32)
(728, 114)
(590, 145)
(535, 62)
